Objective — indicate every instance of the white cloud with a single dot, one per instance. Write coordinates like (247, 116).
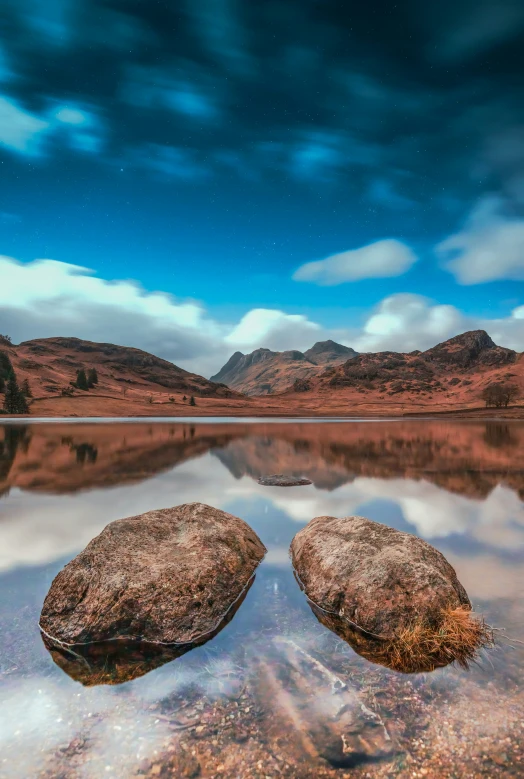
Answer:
(71, 115)
(405, 322)
(381, 259)
(273, 330)
(47, 298)
(26, 133)
(489, 247)
(20, 130)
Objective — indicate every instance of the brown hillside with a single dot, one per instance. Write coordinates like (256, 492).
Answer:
(50, 364)
(451, 374)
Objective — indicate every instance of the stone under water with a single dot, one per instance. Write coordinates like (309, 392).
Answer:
(319, 709)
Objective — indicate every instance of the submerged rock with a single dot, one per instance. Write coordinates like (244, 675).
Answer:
(169, 576)
(306, 700)
(281, 480)
(389, 594)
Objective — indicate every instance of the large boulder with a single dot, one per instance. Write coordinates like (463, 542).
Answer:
(168, 576)
(391, 595)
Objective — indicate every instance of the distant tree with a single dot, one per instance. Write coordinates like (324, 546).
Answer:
(92, 377)
(192, 401)
(171, 400)
(2, 384)
(14, 400)
(6, 338)
(150, 399)
(81, 380)
(26, 389)
(6, 367)
(499, 394)
(184, 398)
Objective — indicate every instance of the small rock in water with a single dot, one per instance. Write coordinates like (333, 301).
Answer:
(170, 576)
(394, 598)
(281, 480)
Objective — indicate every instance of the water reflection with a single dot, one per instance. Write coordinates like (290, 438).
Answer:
(460, 486)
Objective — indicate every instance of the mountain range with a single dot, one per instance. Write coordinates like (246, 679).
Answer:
(327, 380)
(328, 365)
(263, 372)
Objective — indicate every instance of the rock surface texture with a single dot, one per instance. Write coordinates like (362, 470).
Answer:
(391, 595)
(167, 576)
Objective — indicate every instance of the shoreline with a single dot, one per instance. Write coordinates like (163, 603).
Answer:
(108, 407)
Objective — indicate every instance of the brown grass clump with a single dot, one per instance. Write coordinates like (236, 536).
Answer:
(421, 646)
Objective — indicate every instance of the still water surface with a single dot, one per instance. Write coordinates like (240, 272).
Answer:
(257, 700)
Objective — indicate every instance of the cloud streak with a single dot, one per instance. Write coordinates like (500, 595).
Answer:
(489, 247)
(381, 259)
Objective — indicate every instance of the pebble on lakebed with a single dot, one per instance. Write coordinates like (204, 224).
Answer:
(393, 597)
(281, 480)
(170, 576)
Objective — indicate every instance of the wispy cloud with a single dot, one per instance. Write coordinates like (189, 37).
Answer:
(490, 246)
(21, 131)
(476, 28)
(381, 259)
(384, 193)
(181, 88)
(170, 161)
(218, 24)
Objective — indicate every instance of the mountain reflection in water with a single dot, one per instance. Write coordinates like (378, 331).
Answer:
(246, 697)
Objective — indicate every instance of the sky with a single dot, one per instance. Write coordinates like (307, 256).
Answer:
(196, 177)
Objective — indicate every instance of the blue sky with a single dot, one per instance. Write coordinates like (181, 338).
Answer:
(289, 170)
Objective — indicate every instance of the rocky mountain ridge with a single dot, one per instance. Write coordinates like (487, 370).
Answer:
(264, 371)
(328, 366)
(471, 359)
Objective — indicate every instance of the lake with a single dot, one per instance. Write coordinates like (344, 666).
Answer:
(257, 700)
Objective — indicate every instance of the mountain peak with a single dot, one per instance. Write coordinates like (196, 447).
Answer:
(469, 348)
(230, 364)
(325, 352)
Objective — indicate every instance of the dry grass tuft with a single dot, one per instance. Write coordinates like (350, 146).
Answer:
(421, 646)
